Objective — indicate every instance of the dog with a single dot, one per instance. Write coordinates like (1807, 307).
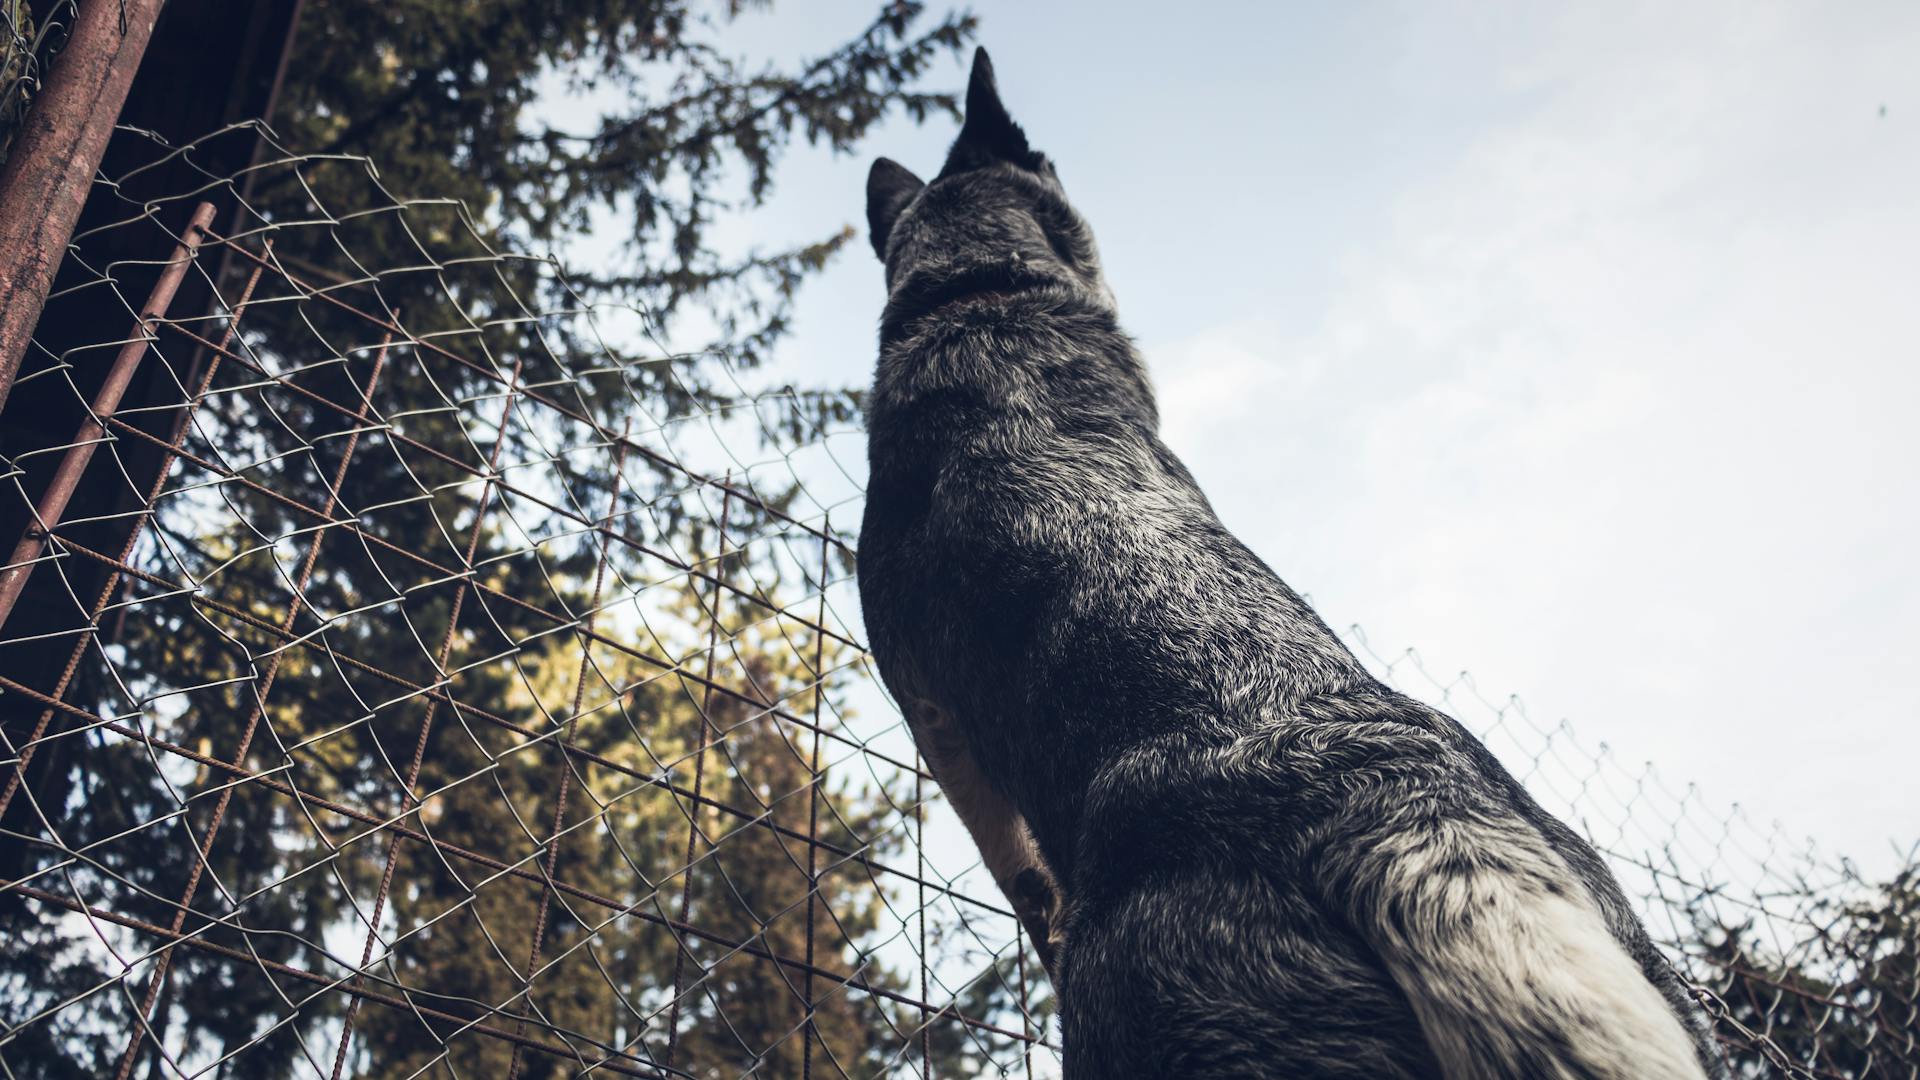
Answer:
(1238, 853)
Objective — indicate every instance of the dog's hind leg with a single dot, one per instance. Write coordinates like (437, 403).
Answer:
(1006, 844)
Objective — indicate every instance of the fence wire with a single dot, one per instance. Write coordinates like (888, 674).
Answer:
(410, 667)
(1807, 967)
(27, 47)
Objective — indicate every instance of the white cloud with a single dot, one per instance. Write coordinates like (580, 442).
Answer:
(1617, 408)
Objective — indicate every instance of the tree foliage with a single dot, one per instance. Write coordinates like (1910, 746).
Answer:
(1842, 1001)
(454, 99)
(449, 581)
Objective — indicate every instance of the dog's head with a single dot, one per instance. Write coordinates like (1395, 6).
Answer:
(994, 223)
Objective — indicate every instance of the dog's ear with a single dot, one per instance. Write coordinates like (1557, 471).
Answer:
(989, 133)
(890, 187)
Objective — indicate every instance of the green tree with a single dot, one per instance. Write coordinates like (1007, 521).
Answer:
(458, 487)
(609, 971)
(447, 96)
(1843, 1001)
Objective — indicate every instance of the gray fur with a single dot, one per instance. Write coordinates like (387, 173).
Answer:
(1270, 863)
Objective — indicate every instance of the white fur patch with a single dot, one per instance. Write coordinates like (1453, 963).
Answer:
(1512, 970)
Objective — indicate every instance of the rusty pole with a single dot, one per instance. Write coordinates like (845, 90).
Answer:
(53, 504)
(45, 181)
(707, 736)
(815, 782)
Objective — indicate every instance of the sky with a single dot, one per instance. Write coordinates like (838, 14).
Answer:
(1574, 345)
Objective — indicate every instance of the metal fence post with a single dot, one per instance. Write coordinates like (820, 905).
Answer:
(53, 504)
(46, 178)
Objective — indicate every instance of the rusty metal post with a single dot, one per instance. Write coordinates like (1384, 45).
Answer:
(815, 780)
(53, 504)
(705, 736)
(262, 686)
(46, 178)
(920, 880)
(1026, 1015)
(192, 405)
(563, 761)
(408, 801)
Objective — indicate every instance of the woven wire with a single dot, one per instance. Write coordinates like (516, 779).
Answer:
(27, 48)
(503, 676)
(1805, 966)
(462, 683)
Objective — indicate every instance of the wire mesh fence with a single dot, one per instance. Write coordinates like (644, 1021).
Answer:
(1806, 966)
(27, 46)
(409, 667)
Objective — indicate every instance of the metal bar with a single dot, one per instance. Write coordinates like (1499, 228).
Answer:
(66, 478)
(157, 981)
(815, 780)
(481, 506)
(1026, 1012)
(701, 738)
(920, 871)
(115, 574)
(562, 763)
(49, 171)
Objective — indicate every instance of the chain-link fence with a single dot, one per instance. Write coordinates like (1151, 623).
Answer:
(1807, 967)
(27, 46)
(411, 668)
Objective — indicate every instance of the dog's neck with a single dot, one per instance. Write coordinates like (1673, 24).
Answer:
(983, 298)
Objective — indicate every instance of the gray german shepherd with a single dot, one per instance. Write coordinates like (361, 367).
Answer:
(1240, 854)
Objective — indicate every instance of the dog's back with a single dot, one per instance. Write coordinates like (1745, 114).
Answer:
(1271, 864)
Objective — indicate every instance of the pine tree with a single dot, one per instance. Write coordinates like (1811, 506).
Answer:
(445, 99)
(446, 96)
(1843, 1001)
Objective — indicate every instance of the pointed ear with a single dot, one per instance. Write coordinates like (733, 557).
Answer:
(890, 187)
(989, 133)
